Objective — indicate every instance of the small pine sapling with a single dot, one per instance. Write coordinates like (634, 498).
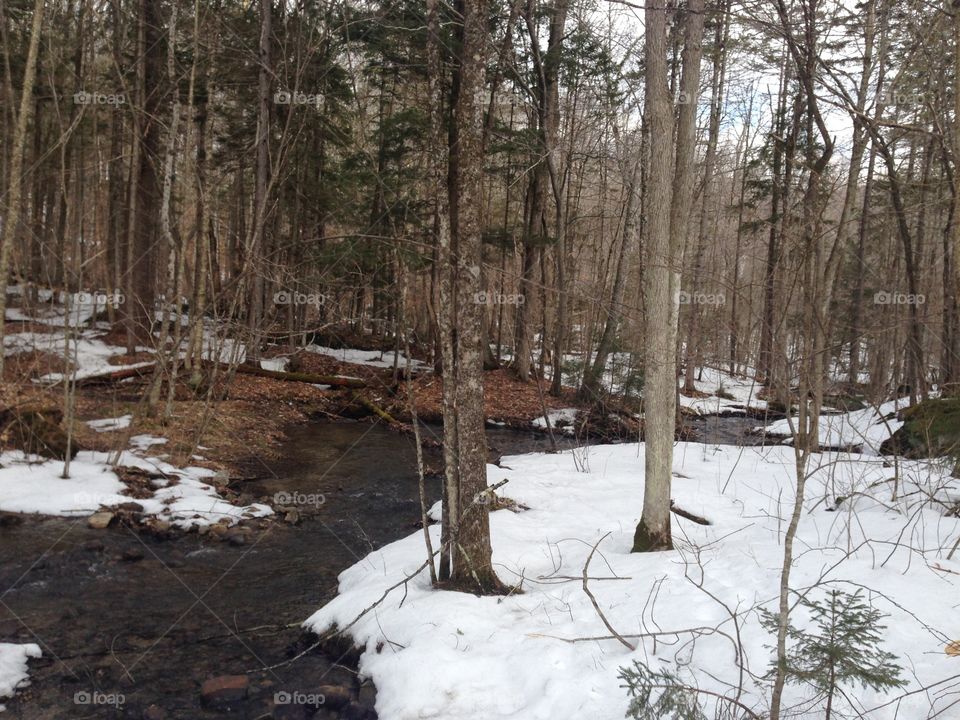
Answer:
(675, 701)
(841, 647)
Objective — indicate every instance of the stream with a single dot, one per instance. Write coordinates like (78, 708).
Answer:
(132, 624)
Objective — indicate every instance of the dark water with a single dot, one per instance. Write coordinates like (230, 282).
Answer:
(120, 613)
(725, 429)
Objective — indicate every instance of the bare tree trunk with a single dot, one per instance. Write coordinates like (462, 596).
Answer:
(15, 186)
(202, 250)
(692, 348)
(146, 238)
(472, 567)
(816, 299)
(954, 342)
(667, 211)
(446, 307)
(590, 387)
(765, 360)
(254, 265)
(170, 309)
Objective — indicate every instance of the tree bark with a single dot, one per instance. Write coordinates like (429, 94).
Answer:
(146, 236)
(15, 183)
(667, 212)
(472, 568)
(254, 266)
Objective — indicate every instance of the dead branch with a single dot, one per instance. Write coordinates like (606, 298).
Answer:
(593, 600)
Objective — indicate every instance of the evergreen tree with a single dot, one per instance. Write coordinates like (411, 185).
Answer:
(675, 701)
(840, 647)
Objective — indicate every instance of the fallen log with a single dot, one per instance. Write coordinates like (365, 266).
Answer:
(676, 510)
(112, 376)
(377, 410)
(302, 377)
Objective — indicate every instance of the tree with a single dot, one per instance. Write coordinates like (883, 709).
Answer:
(669, 194)
(142, 258)
(256, 249)
(469, 535)
(546, 71)
(15, 186)
(841, 646)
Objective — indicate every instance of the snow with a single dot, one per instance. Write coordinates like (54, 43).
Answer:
(563, 419)
(740, 391)
(110, 424)
(373, 358)
(182, 496)
(144, 442)
(275, 364)
(862, 429)
(13, 667)
(84, 307)
(519, 657)
(90, 354)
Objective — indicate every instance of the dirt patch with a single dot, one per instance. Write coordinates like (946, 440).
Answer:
(505, 399)
(245, 425)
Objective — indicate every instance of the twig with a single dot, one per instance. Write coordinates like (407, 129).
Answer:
(593, 600)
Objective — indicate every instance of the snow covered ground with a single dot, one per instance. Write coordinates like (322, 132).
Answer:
(84, 306)
(90, 354)
(373, 358)
(13, 667)
(544, 653)
(729, 394)
(562, 419)
(864, 430)
(110, 424)
(182, 496)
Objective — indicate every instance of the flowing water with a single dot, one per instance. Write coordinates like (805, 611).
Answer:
(132, 624)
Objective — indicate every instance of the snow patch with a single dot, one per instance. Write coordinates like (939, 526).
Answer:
(372, 358)
(182, 496)
(525, 655)
(563, 419)
(13, 667)
(110, 424)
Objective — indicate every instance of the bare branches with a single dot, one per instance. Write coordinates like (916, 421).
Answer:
(593, 599)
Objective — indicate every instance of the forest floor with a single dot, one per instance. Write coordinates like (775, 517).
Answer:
(211, 446)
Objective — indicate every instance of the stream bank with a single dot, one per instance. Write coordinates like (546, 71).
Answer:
(133, 625)
(146, 619)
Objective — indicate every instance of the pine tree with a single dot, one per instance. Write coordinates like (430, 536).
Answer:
(674, 702)
(841, 646)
